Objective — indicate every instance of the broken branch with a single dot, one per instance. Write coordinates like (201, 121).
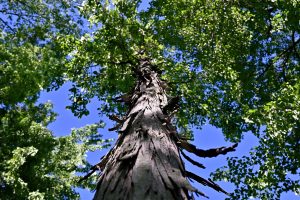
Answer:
(116, 118)
(126, 98)
(92, 170)
(205, 153)
(172, 104)
(205, 182)
(192, 161)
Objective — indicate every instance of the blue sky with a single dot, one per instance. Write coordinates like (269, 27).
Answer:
(208, 137)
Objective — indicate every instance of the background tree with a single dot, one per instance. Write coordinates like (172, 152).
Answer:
(34, 163)
(37, 165)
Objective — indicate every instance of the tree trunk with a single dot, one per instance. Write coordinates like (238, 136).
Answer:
(145, 162)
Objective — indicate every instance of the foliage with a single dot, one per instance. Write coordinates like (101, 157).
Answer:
(36, 164)
(234, 64)
(30, 54)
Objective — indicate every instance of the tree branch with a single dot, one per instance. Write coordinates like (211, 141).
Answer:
(191, 160)
(205, 182)
(205, 153)
(172, 104)
(116, 118)
(7, 25)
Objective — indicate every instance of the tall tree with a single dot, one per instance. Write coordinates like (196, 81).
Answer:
(145, 162)
(232, 64)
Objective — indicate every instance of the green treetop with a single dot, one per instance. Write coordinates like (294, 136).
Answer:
(233, 64)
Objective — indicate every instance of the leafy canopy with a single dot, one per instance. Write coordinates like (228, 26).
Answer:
(37, 165)
(34, 163)
(234, 64)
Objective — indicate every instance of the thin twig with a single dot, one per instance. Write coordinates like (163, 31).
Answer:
(6, 24)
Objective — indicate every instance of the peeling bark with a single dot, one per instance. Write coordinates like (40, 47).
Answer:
(145, 162)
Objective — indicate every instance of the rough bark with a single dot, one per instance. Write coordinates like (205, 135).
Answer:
(145, 162)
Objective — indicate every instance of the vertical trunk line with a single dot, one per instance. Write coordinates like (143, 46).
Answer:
(145, 162)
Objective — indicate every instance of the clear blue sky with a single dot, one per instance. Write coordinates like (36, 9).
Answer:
(208, 137)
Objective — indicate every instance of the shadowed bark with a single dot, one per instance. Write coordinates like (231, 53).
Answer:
(145, 162)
